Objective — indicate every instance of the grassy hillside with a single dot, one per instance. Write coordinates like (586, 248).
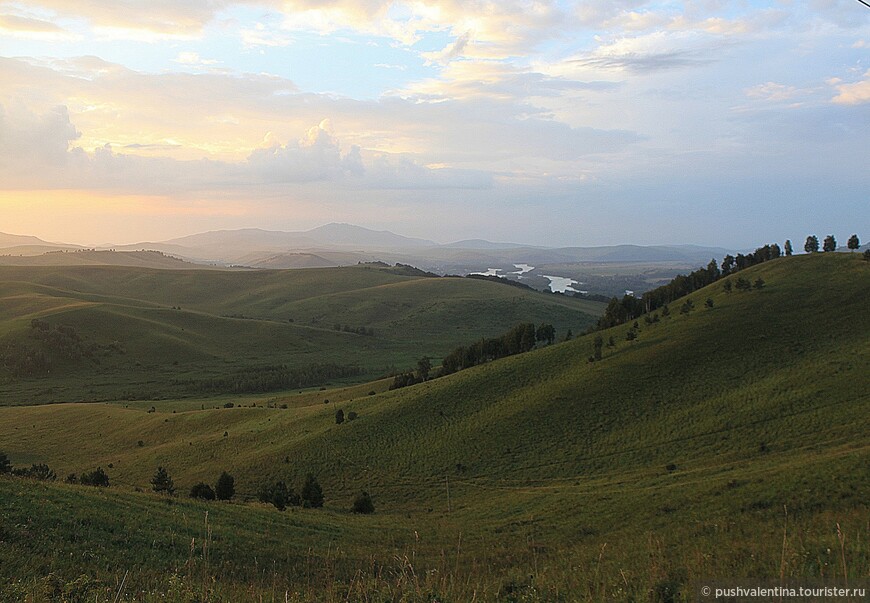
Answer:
(731, 441)
(42, 256)
(119, 332)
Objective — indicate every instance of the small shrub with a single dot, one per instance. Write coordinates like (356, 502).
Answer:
(202, 491)
(351, 416)
(229, 405)
(312, 493)
(363, 504)
(5, 463)
(668, 589)
(39, 471)
(140, 443)
(279, 495)
(225, 488)
(709, 302)
(97, 477)
(339, 417)
(161, 482)
(671, 467)
(72, 478)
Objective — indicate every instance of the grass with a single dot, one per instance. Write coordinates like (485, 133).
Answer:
(163, 333)
(727, 443)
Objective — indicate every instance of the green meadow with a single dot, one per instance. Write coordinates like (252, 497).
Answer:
(727, 442)
(113, 333)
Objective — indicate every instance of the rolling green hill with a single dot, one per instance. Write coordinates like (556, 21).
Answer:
(105, 333)
(729, 441)
(42, 256)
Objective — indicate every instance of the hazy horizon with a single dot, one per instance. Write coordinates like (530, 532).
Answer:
(550, 123)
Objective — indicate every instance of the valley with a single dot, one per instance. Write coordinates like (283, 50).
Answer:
(683, 453)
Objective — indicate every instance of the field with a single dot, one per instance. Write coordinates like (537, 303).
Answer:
(132, 333)
(727, 442)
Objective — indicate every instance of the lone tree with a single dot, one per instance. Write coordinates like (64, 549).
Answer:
(812, 244)
(424, 365)
(853, 242)
(5, 463)
(597, 344)
(202, 491)
(363, 504)
(339, 417)
(312, 493)
(788, 248)
(830, 243)
(225, 488)
(161, 482)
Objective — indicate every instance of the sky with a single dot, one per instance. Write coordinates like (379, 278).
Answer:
(711, 122)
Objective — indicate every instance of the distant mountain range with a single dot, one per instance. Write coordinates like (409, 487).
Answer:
(345, 244)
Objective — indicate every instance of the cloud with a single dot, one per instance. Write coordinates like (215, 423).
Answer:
(36, 152)
(33, 141)
(314, 157)
(855, 93)
(14, 23)
(262, 35)
(656, 51)
(193, 59)
(449, 52)
(158, 16)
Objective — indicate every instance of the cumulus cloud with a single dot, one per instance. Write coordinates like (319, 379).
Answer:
(34, 141)
(36, 152)
(316, 156)
(854, 93)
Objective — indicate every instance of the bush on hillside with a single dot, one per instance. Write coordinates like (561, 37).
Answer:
(39, 471)
(312, 493)
(279, 495)
(202, 491)
(5, 463)
(363, 504)
(97, 477)
(225, 488)
(161, 482)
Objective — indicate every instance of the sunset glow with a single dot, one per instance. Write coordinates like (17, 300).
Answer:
(575, 123)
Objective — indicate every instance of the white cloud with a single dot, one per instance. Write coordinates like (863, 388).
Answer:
(193, 59)
(33, 141)
(772, 91)
(262, 35)
(855, 93)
